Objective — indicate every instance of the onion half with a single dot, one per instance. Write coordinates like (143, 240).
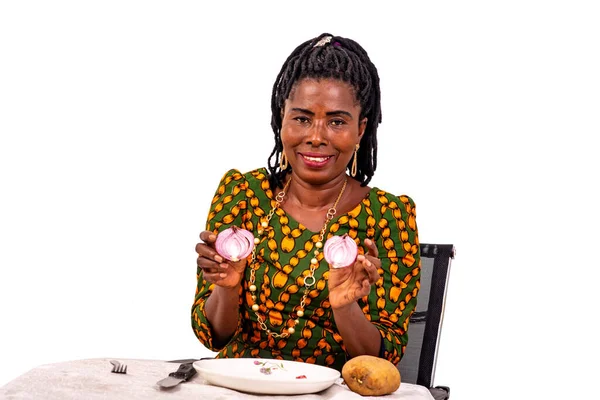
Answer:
(340, 251)
(234, 244)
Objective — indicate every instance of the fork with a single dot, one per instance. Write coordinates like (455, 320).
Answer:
(118, 368)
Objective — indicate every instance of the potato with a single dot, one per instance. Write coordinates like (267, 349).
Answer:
(371, 376)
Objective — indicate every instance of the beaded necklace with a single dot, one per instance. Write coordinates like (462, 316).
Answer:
(309, 280)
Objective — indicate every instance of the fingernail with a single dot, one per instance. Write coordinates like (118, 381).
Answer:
(212, 236)
(218, 258)
(223, 265)
(368, 241)
(223, 275)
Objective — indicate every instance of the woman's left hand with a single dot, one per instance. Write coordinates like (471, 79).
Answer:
(348, 284)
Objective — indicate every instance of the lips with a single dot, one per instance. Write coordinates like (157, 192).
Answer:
(315, 160)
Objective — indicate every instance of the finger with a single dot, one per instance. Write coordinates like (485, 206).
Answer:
(370, 267)
(208, 237)
(215, 272)
(372, 271)
(362, 262)
(208, 266)
(208, 252)
(371, 248)
(374, 260)
(240, 265)
(214, 277)
(365, 289)
(368, 259)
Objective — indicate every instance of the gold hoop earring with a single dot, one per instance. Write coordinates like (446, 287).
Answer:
(354, 162)
(283, 162)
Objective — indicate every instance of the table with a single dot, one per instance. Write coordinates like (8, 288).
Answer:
(92, 379)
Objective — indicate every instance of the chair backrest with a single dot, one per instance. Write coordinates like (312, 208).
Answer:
(418, 363)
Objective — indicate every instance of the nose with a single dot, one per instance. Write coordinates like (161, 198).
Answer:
(317, 134)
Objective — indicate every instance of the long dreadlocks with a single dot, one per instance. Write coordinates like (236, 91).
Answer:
(328, 56)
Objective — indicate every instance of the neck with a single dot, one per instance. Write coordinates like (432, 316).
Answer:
(314, 198)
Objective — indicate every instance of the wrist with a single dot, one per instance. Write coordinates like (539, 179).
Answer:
(228, 290)
(344, 309)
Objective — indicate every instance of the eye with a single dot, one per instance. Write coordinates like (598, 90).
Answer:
(301, 119)
(338, 122)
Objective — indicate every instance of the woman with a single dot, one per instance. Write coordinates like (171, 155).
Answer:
(284, 301)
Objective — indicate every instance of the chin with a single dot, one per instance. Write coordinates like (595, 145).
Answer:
(317, 178)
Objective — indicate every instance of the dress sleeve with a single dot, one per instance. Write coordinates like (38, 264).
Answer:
(228, 208)
(394, 299)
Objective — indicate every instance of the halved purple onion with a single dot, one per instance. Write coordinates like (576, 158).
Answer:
(340, 251)
(234, 244)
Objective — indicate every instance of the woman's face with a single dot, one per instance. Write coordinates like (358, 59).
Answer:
(320, 129)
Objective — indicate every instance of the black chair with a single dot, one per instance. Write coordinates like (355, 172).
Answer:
(418, 363)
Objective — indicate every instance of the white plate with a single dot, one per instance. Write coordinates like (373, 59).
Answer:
(263, 376)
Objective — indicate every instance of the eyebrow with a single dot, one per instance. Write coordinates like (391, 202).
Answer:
(336, 112)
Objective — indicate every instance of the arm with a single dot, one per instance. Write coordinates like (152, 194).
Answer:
(360, 336)
(215, 313)
(222, 309)
(349, 284)
(222, 305)
(375, 322)
(393, 303)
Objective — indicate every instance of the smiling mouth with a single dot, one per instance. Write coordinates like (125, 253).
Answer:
(316, 159)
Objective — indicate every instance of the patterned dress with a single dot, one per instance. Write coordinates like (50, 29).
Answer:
(284, 254)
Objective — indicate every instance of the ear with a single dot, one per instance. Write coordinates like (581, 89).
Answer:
(362, 126)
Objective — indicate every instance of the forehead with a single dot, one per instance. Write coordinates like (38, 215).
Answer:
(333, 92)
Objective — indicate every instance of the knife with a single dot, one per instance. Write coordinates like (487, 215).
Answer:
(183, 373)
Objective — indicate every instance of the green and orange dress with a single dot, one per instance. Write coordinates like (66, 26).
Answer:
(284, 254)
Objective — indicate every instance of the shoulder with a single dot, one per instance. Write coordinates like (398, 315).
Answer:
(386, 198)
(251, 182)
(399, 207)
(254, 176)
(257, 177)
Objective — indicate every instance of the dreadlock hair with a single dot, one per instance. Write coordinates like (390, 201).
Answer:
(328, 56)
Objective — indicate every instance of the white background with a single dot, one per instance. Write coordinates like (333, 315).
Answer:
(118, 118)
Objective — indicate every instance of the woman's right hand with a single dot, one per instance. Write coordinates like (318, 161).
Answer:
(216, 269)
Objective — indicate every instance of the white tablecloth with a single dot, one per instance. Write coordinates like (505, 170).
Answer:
(92, 379)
